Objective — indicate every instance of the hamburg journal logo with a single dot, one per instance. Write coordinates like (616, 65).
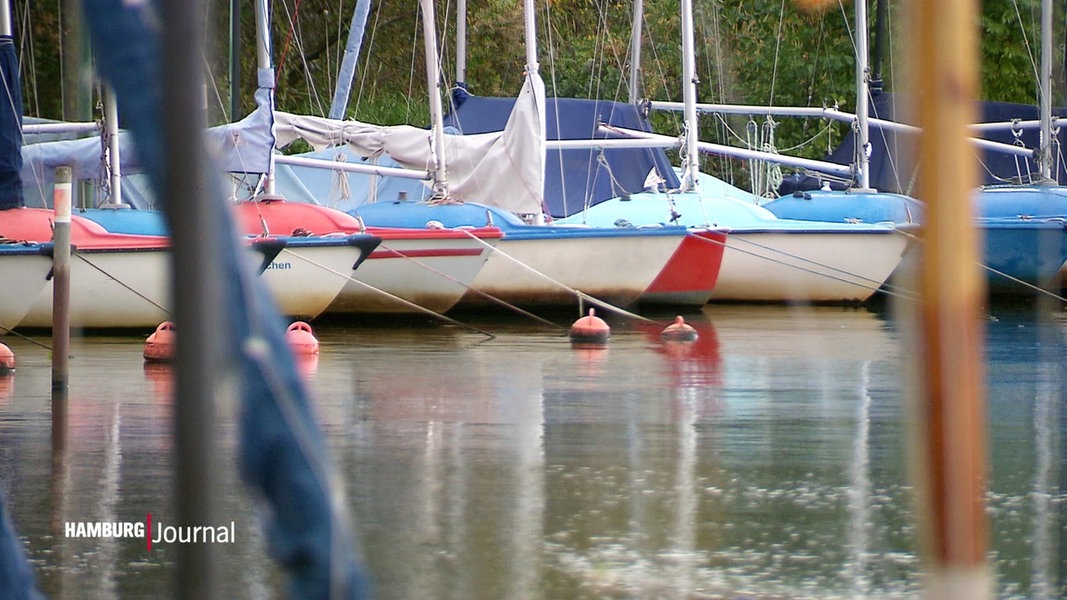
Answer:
(153, 533)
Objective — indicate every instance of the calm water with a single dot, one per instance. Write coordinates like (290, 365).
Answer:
(765, 460)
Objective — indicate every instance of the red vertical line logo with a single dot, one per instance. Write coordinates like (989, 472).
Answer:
(148, 529)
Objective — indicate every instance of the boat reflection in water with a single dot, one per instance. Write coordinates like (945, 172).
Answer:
(767, 458)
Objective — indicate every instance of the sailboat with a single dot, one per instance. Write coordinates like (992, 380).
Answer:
(27, 295)
(497, 179)
(120, 279)
(413, 269)
(25, 265)
(767, 258)
(1022, 225)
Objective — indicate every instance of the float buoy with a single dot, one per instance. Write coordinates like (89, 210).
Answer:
(679, 331)
(590, 329)
(7, 360)
(159, 347)
(300, 339)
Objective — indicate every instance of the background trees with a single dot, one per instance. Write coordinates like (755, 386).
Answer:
(749, 52)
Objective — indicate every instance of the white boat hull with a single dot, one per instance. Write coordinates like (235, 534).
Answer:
(304, 281)
(614, 269)
(111, 288)
(799, 266)
(130, 288)
(30, 271)
(429, 273)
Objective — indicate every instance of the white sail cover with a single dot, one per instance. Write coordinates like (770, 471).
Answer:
(504, 169)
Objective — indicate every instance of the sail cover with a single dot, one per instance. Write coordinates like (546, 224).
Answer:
(502, 167)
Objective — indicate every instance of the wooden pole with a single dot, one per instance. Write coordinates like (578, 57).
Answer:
(61, 279)
(949, 415)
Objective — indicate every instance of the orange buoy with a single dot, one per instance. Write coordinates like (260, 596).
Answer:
(159, 347)
(300, 339)
(7, 360)
(679, 331)
(590, 329)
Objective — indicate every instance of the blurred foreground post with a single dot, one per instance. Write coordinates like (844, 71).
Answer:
(197, 292)
(951, 452)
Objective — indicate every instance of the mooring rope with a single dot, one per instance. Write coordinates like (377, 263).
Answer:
(10, 331)
(863, 282)
(471, 288)
(119, 281)
(389, 295)
(577, 293)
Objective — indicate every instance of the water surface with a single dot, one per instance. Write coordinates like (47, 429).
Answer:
(768, 459)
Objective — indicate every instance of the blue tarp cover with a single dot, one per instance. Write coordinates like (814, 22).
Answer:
(574, 179)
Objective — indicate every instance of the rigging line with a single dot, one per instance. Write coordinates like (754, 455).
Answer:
(288, 38)
(777, 53)
(821, 36)
(391, 295)
(550, 33)
(863, 282)
(577, 293)
(851, 38)
(211, 80)
(364, 74)
(340, 48)
(120, 282)
(31, 62)
(1026, 40)
(410, 96)
(312, 96)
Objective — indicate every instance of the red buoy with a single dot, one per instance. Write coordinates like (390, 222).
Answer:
(679, 331)
(300, 339)
(7, 360)
(590, 329)
(159, 347)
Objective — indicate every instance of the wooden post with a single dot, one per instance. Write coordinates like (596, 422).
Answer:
(61, 279)
(951, 450)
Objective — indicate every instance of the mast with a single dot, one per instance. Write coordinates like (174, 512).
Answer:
(461, 43)
(350, 60)
(235, 59)
(529, 19)
(863, 142)
(265, 73)
(1044, 150)
(635, 51)
(691, 170)
(111, 120)
(533, 76)
(433, 83)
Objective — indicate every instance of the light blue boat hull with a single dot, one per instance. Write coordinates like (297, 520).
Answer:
(1023, 228)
